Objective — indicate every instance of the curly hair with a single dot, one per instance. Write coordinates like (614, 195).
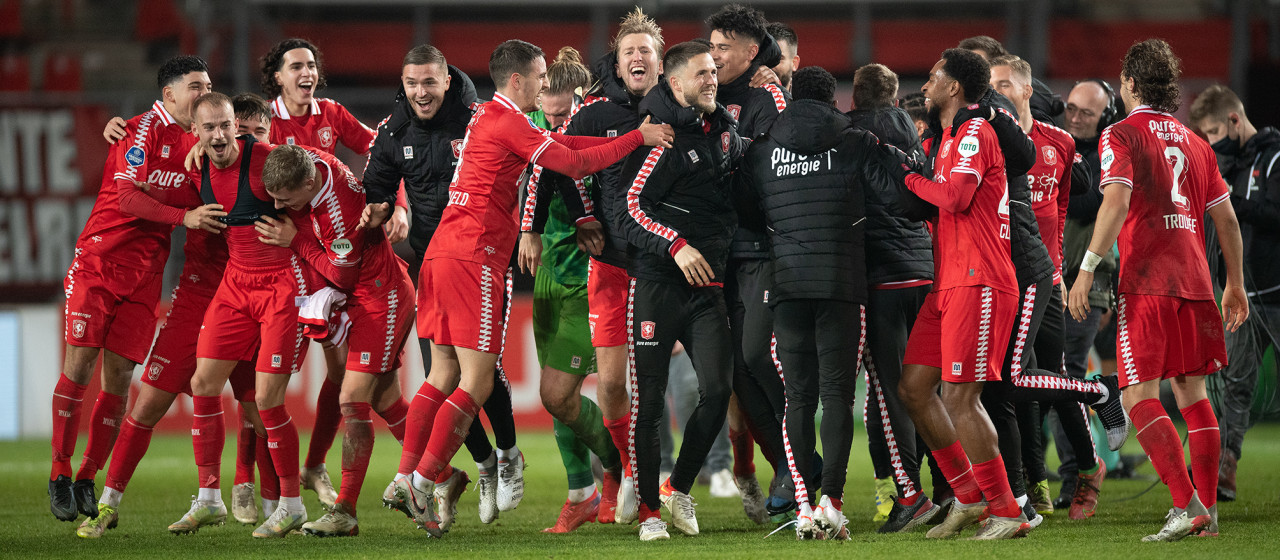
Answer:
(568, 73)
(1155, 71)
(735, 19)
(813, 82)
(874, 85)
(638, 22)
(273, 62)
(970, 69)
(175, 68)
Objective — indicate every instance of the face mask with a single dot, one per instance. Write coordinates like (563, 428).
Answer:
(1227, 146)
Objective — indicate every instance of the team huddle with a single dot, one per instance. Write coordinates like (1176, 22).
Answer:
(706, 198)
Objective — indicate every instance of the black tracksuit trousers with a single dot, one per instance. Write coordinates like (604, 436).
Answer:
(890, 316)
(755, 379)
(820, 344)
(663, 313)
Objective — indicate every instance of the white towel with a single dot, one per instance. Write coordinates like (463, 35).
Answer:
(322, 316)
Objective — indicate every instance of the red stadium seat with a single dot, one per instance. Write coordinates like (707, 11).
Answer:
(10, 19)
(158, 20)
(62, 72)
(15, 73)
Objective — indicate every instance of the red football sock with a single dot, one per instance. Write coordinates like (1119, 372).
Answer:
(647, 514)
(445, 473)
(452, 425)
(395, 418)
(418, 424)
(955, 466)
(246, 446)
(744, 453)
(994, 482)
(282, 438)
(208, 435)
(328, 418)
(269, 487)
(1160, 440)
(1206, 450)
(132, 444)
(619, 432)
(67, 396)
(357, 446)
(104, 426)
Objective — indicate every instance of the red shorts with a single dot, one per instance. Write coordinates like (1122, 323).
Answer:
(608, 289)
(254, 306)
(110, 306)
(462, 303)
(380, 323)
(1162, 337)
(964, 331)
(172, 362)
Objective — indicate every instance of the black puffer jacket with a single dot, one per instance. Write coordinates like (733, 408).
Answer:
(681, 194)
(1254, 177)
(810, 172)
(421, 153)
(1030, 257)
(614, 112)
(755, 109)
(898, 249)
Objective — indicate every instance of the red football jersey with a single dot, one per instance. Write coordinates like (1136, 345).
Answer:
(1050, 180)
(152, 151)
(1175, 180)
(326, 124)
(245, 250)
(480, 223)
(971, 245)
(356, 261)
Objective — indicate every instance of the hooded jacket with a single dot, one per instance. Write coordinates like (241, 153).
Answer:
(423, 153)
(681, 195)
(898, 249)
(810, 172)
(1254, 177)
(755, 109)
(610, 111)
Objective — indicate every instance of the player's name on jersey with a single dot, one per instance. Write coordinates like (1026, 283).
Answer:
(1179, 221)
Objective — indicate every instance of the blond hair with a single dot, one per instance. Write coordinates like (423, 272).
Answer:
(1017, 65)
(638, 22)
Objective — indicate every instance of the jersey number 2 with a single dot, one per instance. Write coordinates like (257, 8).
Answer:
(1175, 157)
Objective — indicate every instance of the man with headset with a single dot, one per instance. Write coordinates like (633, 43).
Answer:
(1090, 108)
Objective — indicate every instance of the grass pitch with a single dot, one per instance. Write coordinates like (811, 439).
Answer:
(161, 492)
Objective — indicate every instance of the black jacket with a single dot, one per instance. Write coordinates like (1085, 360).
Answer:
(755, 109)
(422, 153)
(898, 249)
(810, 172)
(1031, 259)
(681, 194)
(1254, 178)
(616, 113)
